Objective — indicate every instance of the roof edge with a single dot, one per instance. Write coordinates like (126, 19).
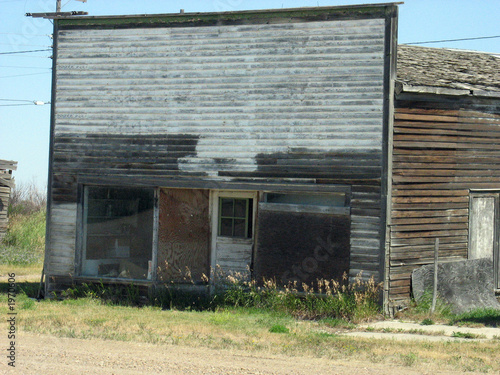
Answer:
(204, 18)
(402, 87)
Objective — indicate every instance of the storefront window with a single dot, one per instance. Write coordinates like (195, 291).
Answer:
(118, 232)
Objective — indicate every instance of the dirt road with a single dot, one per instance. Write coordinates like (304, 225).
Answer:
(46, 355)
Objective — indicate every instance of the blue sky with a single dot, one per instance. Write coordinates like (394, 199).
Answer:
(25, 77)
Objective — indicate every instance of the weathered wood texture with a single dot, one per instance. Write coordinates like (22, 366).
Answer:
(183, 235)
(60, 260)
(442, 149)
(266, 102)
(300, 100)
(6, 184)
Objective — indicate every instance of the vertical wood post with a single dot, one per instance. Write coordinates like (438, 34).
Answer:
(435, 286)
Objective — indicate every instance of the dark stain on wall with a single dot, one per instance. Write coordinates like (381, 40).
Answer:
(307, 163)
(111, 154)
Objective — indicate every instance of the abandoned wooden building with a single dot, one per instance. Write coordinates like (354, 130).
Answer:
(445, 161)
(274, 143)
(6, 185)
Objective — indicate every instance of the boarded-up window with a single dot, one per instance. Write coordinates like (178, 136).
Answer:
(302, 242)
(184, 235)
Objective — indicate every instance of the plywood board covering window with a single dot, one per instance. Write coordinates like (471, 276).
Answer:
(184, 236)
(302, 238)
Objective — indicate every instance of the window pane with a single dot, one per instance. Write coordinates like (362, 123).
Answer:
(240, 208)
(227, 207)
(119, 232)
(226, 227)
(239, 228)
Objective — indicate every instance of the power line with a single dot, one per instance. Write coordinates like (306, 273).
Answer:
(23, 67)
(14, 105)
(455, 40)
(23, 75)
(16, 100)
(29, 56)
(22, 102)
(24, 34)
(35, 50)
(25, 45)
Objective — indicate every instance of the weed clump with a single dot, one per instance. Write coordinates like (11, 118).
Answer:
(355, 301)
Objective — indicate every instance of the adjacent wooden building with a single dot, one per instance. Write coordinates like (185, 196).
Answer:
(445, 161)
(6, 185)
(274, 144)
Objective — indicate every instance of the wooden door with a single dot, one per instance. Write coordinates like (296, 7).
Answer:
(233, 216)
(483, 229)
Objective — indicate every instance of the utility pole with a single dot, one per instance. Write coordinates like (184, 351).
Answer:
(58, 12)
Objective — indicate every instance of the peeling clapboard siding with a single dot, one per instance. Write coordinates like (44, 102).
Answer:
(241, 91)
(6, 184)
(278, 102)
(62, 239)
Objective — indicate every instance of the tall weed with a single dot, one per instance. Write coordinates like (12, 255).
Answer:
(24, 240)
(324, 299)
(27, 198)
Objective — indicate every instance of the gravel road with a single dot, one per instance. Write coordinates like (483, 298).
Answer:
(46, 355)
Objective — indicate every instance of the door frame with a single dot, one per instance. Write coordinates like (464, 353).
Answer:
(214, 218)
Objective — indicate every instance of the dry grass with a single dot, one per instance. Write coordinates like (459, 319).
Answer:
(244, 329)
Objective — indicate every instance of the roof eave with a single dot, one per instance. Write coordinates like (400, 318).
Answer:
(402, 87)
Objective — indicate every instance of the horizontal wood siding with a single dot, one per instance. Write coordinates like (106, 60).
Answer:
(4, 205)
(274, 102)
(60, 261)
(6, 185)
(301, 100)
(442, 148)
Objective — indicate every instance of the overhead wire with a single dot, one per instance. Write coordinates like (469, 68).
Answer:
(23, 75)
(16, 52)
(14, 105)
(455, 40)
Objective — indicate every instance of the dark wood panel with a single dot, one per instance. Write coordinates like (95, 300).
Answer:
(301, 247)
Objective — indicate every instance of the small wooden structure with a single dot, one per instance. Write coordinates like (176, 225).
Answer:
(445, 161)
(6, 184)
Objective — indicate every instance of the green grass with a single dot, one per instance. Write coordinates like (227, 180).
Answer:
(278, 328)
(464, 335)
(24, 241)
(486, 317)
(427, 322)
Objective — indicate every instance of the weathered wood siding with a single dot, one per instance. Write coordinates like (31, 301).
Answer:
(279, 101)
(60, 260)
(443, 147)
(6, 185)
